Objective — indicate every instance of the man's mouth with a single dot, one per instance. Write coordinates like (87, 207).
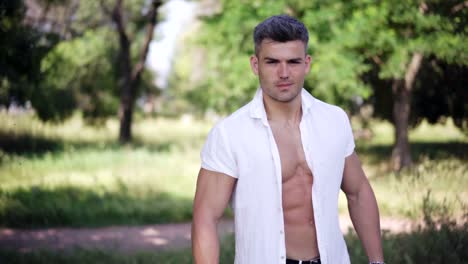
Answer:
(283, 85)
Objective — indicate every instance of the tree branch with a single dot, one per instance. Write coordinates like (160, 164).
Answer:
(152, 17)
(123, 37)
(459, 7)
(423, 8)
(377, 60)
(413, 69)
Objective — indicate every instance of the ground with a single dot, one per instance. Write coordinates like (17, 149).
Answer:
(134, 239)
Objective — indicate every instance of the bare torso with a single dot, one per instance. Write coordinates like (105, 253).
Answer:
(299, 224)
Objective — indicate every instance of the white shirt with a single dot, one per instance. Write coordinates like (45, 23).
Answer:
(242, 146)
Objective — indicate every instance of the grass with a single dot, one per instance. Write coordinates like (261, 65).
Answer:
(72, 174)
(440, 153)
(88, 180)
(401, 194)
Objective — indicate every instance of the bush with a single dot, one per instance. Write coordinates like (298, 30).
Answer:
(440, 238)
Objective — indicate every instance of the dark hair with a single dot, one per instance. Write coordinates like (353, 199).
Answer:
(280, 28)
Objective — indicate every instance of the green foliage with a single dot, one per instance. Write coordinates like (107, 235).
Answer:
(358, 47)
(68, 206)
(441, 238)
(21, 51)
(82, 69)
(80, 72)
(226, 44)
(92, 15)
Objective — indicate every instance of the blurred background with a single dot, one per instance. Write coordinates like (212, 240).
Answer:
(105, 105)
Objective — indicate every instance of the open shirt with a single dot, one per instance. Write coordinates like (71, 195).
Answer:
(242, 146)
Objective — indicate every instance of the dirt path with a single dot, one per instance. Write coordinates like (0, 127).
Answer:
(131, 239)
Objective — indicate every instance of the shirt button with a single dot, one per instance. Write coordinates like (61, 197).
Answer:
(282, 257)
(281, 232)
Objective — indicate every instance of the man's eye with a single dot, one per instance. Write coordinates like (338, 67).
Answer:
(271, 62)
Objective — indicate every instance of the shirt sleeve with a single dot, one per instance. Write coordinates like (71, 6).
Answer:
(349, 138)
(216, 154)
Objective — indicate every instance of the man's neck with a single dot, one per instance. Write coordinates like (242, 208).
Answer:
(283, 113)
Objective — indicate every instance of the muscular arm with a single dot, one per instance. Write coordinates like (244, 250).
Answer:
(211, 198)
(362, 207)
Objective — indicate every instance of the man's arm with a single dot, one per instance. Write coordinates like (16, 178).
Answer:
(362, 207)
(211, 198)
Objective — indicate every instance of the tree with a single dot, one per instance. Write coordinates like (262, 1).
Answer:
(130, 76)
(126, 17)
(398, 41)
(83, 68)
(80, 65)
(360, 48)
(22, 48)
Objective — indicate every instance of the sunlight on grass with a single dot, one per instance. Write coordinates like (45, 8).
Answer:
(426, 132)
(401, 194)
(90, 168)
(75, 174)
(157, 173)
(383, 132)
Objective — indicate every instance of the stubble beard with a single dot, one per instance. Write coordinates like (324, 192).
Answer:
(277, 97)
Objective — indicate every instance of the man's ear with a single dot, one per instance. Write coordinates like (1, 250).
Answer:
(308, 61)
(254, 64)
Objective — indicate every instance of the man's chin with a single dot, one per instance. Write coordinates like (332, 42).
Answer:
(285, 98)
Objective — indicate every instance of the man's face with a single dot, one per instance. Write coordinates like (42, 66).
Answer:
(281, 68)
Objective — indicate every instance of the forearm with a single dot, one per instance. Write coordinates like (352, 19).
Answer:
(205, 243)
(364, 214)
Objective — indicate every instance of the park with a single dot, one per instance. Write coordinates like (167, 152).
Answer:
(89, 140)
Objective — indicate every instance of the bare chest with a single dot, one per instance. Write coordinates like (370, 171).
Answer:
(293, 161)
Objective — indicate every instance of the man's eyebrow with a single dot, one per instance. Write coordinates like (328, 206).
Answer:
(289, 60)
(295, 60)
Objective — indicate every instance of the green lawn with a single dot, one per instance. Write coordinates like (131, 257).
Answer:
(82, 178)
(72, 174)
(440, 153)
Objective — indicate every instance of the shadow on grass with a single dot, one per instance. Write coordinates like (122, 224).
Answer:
(431, 150)
(71, 206)
(447, 243)
(28, 145)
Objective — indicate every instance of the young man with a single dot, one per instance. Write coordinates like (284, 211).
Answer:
(282, 160)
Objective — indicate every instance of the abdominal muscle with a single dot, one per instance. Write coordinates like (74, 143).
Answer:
(299, 224)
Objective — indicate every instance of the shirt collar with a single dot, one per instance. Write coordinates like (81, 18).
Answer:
(257, 108)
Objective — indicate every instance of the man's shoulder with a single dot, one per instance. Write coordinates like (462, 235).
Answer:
(239, 117)
(326, 109)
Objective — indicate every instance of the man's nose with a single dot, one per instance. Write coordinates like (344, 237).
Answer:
(283, 71)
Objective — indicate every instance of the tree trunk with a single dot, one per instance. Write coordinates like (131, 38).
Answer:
(401, 154)
(130, 78)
